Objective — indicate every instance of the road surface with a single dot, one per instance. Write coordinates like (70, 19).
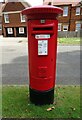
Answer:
(14, 64)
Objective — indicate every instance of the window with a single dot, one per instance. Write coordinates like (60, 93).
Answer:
(21, 30)
(65, 11)
(78, 11)
(0, 26)
(10, 30)
(59, 27)
(6, 18)
(78, 26)
(65, 27)
(22, 18)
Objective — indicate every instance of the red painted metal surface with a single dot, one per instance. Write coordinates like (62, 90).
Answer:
(41, 12)
(42, 9)
(42, 68)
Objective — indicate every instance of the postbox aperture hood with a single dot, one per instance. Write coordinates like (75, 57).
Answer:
(43, 11)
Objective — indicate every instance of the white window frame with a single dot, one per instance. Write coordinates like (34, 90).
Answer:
(65, 11)
(10, 30)
(59, 26)
(77, 26)
(5, 18)
(21, 16)
(77, 10)
(21, 32)
(65, 26)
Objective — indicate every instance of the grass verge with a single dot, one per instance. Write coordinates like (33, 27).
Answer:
(69, 41)
(16, 103)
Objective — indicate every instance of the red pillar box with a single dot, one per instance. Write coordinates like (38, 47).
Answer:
(42, 46)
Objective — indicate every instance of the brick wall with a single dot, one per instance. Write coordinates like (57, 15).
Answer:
(14, 20)
(71, 19)
(13, 9)
(65, 19)
(74, 18)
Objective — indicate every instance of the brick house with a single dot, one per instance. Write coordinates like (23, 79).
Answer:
(0, 19)
(71, 19)
(13, 22)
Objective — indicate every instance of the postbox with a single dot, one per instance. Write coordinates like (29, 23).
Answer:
(42, 25)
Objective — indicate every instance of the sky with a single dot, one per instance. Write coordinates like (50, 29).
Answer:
(32, 2)
(1, 0)
(35, 2)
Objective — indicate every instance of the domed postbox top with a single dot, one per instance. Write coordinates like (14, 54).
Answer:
(44, 11)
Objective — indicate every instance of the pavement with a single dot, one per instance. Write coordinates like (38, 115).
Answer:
(14, 63)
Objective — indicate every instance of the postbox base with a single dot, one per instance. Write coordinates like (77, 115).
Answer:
(41, 98)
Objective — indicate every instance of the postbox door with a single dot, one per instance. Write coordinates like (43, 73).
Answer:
(42, 47)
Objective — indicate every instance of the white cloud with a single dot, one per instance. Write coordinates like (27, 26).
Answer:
(35, 2)
(1, 0)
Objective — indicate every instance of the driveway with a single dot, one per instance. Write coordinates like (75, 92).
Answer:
(14, 64)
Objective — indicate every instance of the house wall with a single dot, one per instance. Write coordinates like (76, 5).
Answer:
(74, 18)
(14, 20)
(14, 23)
(65, 20)
(71, 18)
(13, 9)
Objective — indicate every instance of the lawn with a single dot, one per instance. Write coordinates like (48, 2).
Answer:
(0, 101)
(16, 103)
(69, 41)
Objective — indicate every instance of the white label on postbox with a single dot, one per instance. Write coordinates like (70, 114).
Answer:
(42, 47)
(42, 36)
